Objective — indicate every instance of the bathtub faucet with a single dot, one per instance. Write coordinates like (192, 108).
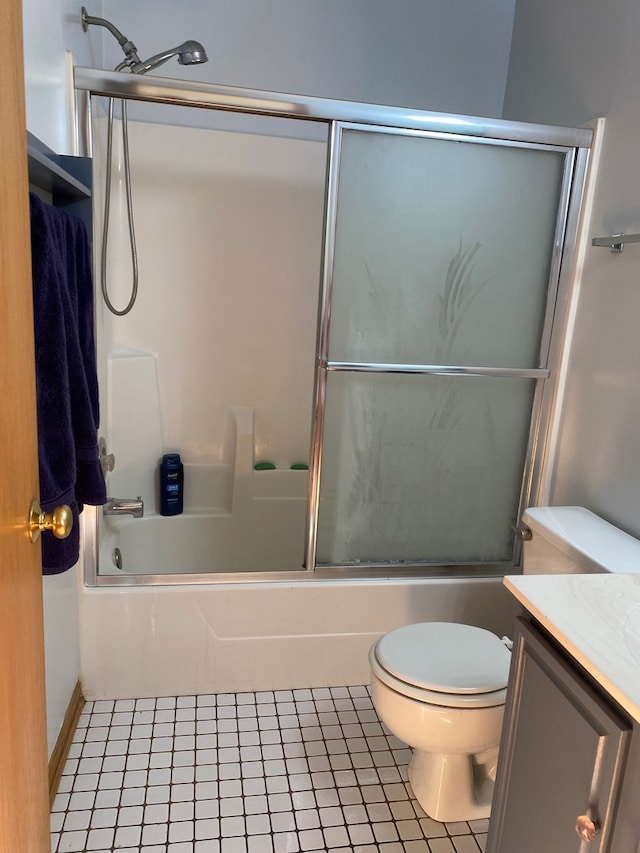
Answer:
(124, 506)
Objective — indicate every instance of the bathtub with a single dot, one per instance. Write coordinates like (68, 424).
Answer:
(237, 519)
(188, 639)
(192, 543)
(151, 628)
(263, 533)
(154, 628)
(186, 614)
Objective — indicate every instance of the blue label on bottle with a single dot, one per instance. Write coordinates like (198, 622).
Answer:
(172, 485)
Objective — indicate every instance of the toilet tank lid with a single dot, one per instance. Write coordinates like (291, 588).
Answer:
(445, 657)
(585, 537)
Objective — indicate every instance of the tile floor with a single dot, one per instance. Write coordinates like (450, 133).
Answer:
(269, 772)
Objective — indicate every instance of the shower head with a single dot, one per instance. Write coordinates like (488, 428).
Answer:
(188, 53)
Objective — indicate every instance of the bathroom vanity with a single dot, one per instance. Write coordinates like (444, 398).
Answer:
(570, 749)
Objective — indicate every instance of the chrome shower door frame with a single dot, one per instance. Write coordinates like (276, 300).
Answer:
(338, 115)
(545, 376)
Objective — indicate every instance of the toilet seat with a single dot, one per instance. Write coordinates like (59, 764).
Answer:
(443, 663)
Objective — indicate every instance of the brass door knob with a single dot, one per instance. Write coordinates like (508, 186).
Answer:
(59, 522)
(586, 829)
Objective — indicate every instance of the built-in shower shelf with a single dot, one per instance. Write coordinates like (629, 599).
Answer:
(66, 179)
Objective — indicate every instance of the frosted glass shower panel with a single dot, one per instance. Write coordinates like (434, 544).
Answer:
(421, 468)
(443, 250)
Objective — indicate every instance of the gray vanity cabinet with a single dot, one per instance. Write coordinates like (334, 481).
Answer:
(562, 755)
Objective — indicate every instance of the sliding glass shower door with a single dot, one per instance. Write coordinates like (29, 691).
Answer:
(441, 267)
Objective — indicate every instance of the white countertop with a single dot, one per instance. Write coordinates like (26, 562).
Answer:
(596, 618)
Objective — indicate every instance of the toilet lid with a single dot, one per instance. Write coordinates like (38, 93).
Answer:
(445, 657)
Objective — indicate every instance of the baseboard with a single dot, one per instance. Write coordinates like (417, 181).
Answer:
(63, 743)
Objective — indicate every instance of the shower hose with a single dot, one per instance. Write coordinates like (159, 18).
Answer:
(107, 208)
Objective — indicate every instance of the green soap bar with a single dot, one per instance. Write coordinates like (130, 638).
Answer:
(299, 466)
(264, 466)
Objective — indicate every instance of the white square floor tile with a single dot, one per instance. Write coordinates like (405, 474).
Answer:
(285, 771)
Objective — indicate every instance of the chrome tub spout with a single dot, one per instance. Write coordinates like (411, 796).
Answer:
(124, 506)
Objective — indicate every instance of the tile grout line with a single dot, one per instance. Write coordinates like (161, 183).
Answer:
(304, 814)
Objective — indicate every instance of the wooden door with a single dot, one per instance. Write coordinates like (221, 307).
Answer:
(24, 811)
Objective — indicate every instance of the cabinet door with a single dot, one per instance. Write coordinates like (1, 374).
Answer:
(561, 756)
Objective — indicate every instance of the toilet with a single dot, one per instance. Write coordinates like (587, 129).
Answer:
(440, 687)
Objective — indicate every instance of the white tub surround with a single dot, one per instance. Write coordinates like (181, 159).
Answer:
(133, 399)
(596, 618)
(222, 500)
(185, 640)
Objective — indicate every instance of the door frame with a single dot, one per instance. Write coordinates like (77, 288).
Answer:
(24, 795)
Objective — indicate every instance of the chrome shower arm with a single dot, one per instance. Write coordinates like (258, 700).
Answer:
(129, 48)
(188, 53)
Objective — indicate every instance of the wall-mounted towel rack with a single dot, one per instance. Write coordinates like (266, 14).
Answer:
(62, 176)
(62, 180)
(616, 241)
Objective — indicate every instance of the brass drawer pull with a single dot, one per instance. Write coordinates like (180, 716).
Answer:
(586, 829)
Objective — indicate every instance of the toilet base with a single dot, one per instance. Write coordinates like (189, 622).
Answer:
(452, 787)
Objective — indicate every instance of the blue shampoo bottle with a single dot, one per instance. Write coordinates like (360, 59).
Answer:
(171, 484)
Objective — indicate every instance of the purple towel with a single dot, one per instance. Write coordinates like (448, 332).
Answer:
(66, 378)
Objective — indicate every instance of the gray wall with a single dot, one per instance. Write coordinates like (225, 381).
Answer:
(422, 53)
(449, 57)
(572, 62)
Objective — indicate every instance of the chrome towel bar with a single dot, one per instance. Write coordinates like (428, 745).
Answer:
(616, 241)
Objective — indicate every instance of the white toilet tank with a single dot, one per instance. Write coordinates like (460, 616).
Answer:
(571, 540)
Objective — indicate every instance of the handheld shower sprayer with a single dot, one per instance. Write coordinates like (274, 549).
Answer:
(188, 53)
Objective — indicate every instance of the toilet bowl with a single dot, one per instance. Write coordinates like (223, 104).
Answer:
(440, 687)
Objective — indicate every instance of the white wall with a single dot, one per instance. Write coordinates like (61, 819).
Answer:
(62, 652)
(571, 62)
